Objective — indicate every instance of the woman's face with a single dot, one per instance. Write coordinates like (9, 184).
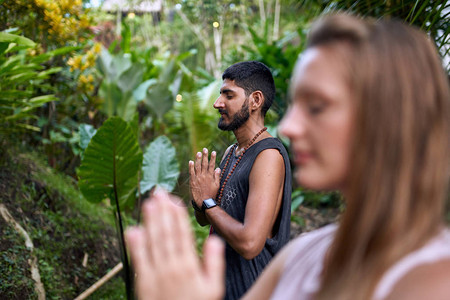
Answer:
(319, 120)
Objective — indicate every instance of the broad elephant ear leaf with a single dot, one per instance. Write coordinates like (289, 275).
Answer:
(87, 131)
(111, 163)
(160, 165)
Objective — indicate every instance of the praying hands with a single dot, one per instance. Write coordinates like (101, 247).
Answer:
(164, 257)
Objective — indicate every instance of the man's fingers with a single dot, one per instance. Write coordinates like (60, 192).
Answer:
(217, 176)
(205, 160)
(214, 264)
(212, 162)
(198, 163)
(191, 169)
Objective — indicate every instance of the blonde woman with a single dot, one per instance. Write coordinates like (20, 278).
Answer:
(369, 116)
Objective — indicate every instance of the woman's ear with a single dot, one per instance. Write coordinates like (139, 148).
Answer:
(257, 100)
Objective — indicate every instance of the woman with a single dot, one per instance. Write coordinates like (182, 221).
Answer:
(369, 117)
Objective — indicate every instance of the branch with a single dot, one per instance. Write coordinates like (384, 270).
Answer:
(100, 282)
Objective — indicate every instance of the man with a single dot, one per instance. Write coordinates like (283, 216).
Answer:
(247, 201)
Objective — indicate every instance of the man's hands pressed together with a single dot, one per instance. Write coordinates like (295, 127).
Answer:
(204, 177)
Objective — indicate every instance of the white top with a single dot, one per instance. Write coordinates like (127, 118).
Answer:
(301, 274)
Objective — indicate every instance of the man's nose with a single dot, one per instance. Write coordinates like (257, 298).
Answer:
(218, 103)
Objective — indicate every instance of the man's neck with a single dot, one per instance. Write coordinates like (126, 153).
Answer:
(247, 132)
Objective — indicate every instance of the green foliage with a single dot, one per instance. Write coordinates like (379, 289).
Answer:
(21, 76)
(63, 226)
(301, 196)
(110, 169)
(429, 15)
(14, 280)
(281, 56)
(201, 233)
(195, 120)
(120, 77)
(111, 163)
(113, 289)
(86, 133)
(160, 166)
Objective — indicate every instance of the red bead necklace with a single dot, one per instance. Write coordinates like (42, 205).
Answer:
(220, 193)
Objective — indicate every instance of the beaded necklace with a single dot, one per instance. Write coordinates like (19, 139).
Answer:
(220, 193)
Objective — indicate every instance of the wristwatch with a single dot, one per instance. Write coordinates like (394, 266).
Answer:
(195, 206)
(208, 203)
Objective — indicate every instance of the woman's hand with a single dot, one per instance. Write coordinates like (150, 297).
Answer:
(164, 256)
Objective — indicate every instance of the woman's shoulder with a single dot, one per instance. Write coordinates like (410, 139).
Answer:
(429, 281)
(314, 242)
(422, 274)
(317, 234)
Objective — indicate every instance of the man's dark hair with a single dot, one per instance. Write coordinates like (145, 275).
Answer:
(253, 76)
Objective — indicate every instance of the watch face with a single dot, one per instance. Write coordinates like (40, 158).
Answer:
(208, 203)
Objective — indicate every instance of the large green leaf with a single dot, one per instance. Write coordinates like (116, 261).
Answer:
(111, 95)
(160, 165)
(140, 92)
(126, 107)
(87, 131)
(113, 66)
(130, 78)
(160, 100)
(111, 162)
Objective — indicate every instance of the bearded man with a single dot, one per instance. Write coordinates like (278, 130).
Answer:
(247, 201)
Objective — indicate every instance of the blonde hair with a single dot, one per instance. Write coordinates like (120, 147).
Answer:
(399, 172)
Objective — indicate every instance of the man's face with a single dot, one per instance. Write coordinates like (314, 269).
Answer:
(232, 105)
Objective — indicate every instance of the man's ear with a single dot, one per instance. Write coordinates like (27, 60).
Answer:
(257, 100)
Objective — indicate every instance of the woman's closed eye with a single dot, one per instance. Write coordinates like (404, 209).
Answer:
(316, 107)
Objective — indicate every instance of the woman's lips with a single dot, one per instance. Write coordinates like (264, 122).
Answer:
(302, 157)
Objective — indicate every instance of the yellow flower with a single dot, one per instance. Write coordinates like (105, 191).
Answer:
(82, 79)
(89, 87)
(83, 67)
(86, 79)
(97, 48)
(75, 62)
(90, 58)
(85, 82)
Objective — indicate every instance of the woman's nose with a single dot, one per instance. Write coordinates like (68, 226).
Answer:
(292, 124)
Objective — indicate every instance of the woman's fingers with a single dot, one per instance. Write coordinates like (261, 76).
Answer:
(160, 227)
(136, 242)
(163, 253)
(214, 265)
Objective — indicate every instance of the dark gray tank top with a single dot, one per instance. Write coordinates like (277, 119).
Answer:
(241, 273)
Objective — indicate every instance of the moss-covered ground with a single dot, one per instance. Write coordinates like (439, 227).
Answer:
(74, 241)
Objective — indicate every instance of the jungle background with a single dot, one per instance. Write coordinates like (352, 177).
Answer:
(102, 101)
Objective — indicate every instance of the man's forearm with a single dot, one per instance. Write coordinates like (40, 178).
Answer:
(246, 243)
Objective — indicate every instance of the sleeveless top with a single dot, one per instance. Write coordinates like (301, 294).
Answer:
(241, 273)
(300, 279)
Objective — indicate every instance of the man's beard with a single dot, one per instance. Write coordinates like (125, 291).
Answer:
(238, 120)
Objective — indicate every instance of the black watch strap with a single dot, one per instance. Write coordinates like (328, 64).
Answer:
(195, 206)
(208, 203)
